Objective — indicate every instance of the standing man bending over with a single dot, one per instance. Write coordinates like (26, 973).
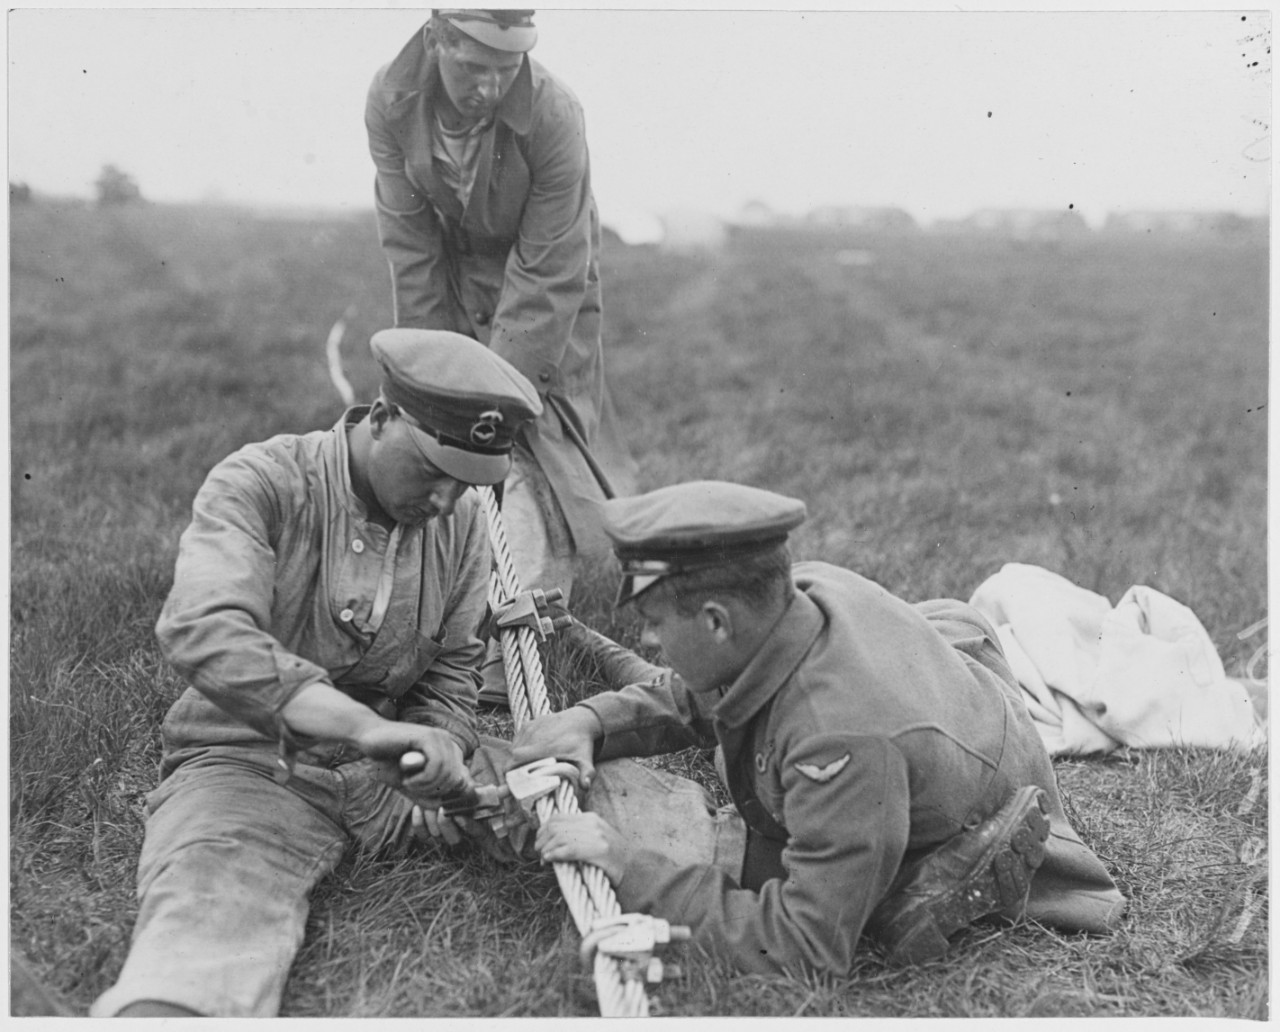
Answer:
(886, 775)
(488, 222)
(325, 608)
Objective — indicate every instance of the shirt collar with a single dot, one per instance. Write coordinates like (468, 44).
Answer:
(773, 664)
(340, 459)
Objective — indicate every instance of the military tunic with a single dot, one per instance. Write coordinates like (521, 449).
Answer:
(517, 268)
(277, 585)
(864, 732)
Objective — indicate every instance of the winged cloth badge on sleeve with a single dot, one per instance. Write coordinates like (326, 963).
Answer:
(822, 774)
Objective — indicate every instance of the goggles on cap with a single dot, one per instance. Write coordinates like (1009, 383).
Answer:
(502, 17)
(509, 30)
(640, 574)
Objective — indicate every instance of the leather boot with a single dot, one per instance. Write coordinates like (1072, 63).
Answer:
(982, 871)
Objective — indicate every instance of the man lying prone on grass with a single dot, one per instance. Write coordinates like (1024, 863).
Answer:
(325, 609)
(886, 777)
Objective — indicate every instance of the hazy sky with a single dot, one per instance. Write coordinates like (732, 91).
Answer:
(940, 112)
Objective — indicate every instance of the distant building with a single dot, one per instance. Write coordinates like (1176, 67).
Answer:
(1217, 223)
(757, 213)
(948, 226)
(688, 230)
(1025, 223)
(634, 226)
(877, 220)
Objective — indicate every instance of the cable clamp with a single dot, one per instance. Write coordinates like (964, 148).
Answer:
(540, 778)
(529, 609)
(633, 940)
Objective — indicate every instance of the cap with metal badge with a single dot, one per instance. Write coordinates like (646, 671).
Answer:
(462, 402)
(694, 526)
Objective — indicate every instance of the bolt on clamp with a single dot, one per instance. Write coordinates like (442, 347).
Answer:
(528, 609)
(632, 940)
(526, 785)
(540, 778)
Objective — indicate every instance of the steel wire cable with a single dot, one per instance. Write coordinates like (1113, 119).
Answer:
(585, 887)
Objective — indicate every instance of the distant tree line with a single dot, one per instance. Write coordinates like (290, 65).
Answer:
(113, 185)
(116, 187)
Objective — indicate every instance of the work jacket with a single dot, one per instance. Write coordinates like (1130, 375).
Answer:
(277, 586)
(863, 733)
(517, 268)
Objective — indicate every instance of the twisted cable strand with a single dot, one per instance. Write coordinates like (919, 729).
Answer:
(585, 887)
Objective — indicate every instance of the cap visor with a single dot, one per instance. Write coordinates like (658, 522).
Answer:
(467, 466)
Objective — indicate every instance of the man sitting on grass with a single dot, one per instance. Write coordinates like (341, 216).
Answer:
(886, 775)
(325, 608)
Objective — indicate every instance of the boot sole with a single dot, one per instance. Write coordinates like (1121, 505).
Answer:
(1001, 886)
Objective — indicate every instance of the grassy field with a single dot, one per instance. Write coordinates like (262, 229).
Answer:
(1097, 407)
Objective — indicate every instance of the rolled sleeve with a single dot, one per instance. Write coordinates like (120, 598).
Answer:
(215, 624)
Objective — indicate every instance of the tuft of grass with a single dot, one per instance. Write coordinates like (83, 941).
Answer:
(1095, 406)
